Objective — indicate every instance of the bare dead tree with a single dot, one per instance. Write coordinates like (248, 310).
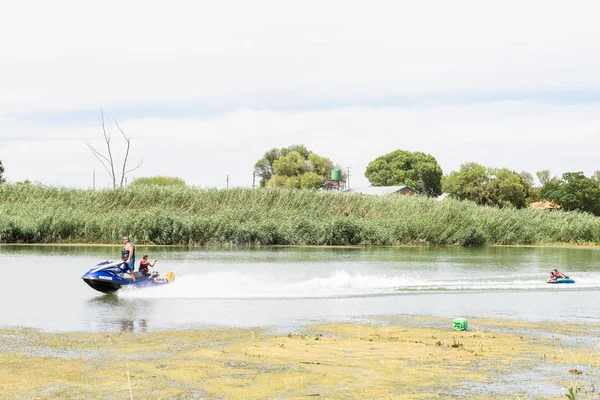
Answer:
(107, 160)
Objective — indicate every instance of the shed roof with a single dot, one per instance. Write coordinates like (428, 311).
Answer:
(545, 205)
(379, 190)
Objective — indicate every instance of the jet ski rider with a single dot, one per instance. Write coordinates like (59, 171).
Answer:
(128, 256)
(144, 264)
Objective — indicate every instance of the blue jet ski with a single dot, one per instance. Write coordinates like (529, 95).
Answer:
(108, 277)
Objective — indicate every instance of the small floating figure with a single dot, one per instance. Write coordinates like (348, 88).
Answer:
(558, 277)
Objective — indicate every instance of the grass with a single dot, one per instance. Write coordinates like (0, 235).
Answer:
(184, 215)
(409, 358)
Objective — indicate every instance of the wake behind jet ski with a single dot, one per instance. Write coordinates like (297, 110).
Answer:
(108, 277)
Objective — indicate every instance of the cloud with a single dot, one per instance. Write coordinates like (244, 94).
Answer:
(205, 88)
(72, 55)
(527, 136)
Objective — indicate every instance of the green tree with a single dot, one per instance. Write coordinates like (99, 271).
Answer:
(506, 188)
(468, 183)
(2, 179)
(574, 192)
(159, 181)
(298, 148)
(308, 170)
(264, 167)
(488, 186)
(290, 165)
(418, 170)
(544, 176)
(319, 165)
(532, 192)
(527, 178)
(277, 181)
(292, 182)
(311, 180)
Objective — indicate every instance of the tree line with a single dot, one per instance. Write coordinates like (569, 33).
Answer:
(297, 167)
(487, 186)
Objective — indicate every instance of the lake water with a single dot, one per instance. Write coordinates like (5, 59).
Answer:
(285, 288)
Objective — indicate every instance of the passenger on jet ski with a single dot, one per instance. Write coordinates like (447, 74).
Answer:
(555, 275)
(144, 264)
(128, 256)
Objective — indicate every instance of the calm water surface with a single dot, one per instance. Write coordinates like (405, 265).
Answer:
(285, 288)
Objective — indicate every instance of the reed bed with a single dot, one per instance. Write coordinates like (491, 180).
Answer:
(193, 216)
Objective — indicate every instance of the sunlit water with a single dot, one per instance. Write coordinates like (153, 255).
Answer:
(285, 288)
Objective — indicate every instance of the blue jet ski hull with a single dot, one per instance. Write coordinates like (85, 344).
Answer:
(563, 281)
(108, 277)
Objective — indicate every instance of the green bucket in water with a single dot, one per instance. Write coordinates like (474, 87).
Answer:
(459, 324)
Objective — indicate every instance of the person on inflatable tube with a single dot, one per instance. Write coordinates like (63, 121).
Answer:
(555, 275)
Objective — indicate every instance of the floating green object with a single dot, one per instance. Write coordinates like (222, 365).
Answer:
(460, 324)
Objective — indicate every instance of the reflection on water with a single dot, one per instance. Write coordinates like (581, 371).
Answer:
(128, 325)
(130, 315)
(108, 299)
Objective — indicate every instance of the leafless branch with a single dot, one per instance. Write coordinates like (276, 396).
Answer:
(107, 161)
(107, 140)
(124, 172)
(136, 167)
(128, 141)
(101, 157)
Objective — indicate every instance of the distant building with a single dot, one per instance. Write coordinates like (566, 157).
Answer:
(544, 205)
(383, 190)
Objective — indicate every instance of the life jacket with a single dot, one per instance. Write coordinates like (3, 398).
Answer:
(143, 266)
(125, 253)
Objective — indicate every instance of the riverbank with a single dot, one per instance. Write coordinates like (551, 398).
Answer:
(192, 216)
(390, 358)
(299, 246)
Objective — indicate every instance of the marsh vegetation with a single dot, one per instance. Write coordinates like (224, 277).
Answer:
(184, 215)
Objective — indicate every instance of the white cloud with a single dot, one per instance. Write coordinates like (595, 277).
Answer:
(69, 55)
(519, 135)
(254, 75)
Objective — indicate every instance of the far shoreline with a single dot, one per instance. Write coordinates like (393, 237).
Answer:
(310, 246)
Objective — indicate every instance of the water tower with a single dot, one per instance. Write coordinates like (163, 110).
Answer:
(336, 182)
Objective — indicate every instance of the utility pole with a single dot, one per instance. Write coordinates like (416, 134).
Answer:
(348, 179)
(94, 180)
(227, 181)
(253, 179)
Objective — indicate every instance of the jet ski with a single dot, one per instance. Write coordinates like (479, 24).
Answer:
(108, 277)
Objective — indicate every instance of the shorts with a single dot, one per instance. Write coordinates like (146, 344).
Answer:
(131, 264)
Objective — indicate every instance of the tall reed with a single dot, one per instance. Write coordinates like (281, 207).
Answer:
(184, 215)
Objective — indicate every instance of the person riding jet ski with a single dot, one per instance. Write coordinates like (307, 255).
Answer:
(128, 256)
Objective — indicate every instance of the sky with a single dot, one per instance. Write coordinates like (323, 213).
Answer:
(205, 88)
